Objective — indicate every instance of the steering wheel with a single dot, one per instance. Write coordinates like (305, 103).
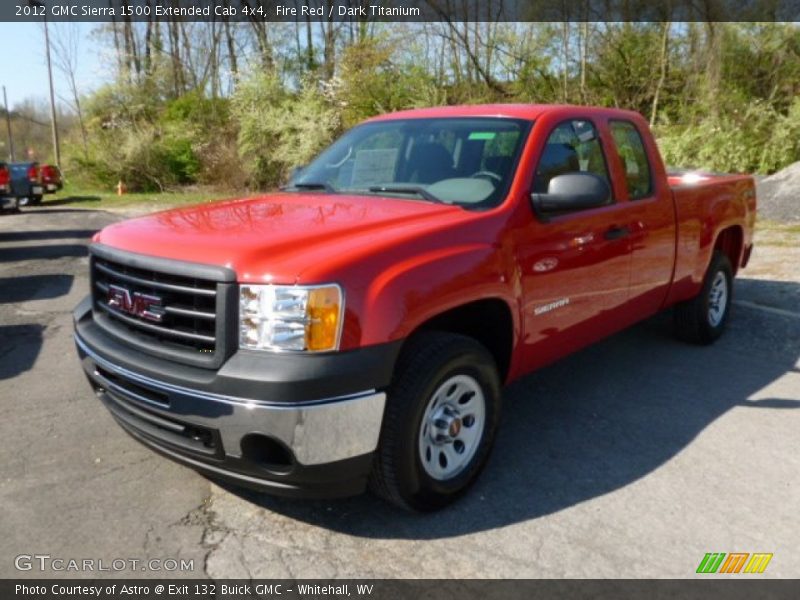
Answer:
(487, 175)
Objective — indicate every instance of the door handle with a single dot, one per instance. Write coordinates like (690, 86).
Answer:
(617, 233)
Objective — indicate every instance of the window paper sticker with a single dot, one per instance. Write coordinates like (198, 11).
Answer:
(374, 166)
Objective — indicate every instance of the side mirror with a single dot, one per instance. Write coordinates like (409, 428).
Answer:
(572, 191)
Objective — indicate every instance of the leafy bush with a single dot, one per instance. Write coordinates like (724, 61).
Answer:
(142, 157)
(150, 144)
(757, 139)
(180, 160)
(279, 129)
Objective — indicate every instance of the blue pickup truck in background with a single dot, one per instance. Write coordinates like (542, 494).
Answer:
(26, 183)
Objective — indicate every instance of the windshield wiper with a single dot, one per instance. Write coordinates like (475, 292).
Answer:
(407, 189)
(310, 185)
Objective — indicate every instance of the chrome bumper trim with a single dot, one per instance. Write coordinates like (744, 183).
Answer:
(317, 432)
(168, 387)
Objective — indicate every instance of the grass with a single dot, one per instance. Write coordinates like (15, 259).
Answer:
(764, 225)
(93, 199)
(774, 233)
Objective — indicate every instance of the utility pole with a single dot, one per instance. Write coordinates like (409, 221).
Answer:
(53, 122)
(8, 124)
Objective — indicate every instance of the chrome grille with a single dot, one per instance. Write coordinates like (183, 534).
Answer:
(165, 313)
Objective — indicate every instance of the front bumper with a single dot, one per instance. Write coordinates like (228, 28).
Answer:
(297, 446)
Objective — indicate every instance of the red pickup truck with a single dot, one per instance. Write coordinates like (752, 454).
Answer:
(357, 328)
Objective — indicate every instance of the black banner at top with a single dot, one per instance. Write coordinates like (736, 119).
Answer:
(400, 10)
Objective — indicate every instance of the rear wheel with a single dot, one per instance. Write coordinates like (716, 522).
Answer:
(702, 319)
(441, 415)
(13, 208)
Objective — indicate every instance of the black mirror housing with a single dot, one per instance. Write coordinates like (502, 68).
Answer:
(572, 191)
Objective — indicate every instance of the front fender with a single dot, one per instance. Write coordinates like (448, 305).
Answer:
(412, 291)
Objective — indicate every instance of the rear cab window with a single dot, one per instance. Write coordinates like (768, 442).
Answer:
(632, 153)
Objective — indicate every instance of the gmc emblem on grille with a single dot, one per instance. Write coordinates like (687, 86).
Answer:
(137, 304)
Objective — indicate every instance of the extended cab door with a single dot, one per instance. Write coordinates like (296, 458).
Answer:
(650, 219)
(574, 266)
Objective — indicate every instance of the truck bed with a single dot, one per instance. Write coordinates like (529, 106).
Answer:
(705, 204)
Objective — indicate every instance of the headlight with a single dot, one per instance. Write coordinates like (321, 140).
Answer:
(282, 317)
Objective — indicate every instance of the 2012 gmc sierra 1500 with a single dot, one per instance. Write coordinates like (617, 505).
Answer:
(356, 328)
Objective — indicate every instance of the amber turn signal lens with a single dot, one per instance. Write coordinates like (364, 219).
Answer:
(323, 310)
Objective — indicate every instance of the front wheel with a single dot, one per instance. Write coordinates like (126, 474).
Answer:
(441, 416)
(702, 319)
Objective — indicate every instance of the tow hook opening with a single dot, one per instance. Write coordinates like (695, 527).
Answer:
(267, 453)
(201, 436)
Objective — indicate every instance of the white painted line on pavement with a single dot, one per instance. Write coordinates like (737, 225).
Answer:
(775, 311)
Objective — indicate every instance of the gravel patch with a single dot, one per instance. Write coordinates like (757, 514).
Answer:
(779, 195)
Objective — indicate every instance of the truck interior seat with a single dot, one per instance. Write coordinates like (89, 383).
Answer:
(429, 162)
(498, 164)
(557, 159)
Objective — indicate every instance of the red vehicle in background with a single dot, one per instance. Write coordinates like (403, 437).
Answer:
(357, 328)
(51, 179)
(7, 200)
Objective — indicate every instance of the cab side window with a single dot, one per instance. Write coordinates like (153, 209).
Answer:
(634, 158)
(573, 146)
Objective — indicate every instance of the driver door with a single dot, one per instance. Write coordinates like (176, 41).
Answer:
(575, 266)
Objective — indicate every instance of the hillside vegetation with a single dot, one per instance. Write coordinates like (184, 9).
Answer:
(237, 105)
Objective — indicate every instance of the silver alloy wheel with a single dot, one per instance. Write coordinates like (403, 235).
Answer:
(452, 427)
(717, 299)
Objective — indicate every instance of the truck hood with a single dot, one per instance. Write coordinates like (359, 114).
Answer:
(274, 238)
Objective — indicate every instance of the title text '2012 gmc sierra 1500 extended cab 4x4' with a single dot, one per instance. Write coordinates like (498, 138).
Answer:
(356, 328)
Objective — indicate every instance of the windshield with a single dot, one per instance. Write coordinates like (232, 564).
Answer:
(464, 161)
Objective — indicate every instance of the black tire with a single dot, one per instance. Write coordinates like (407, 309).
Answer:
(11, 211)
(426, 363)
(693, 320)
(36, 200)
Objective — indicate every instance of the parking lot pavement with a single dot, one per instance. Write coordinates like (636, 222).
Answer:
(72, 485)
(632, 458)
